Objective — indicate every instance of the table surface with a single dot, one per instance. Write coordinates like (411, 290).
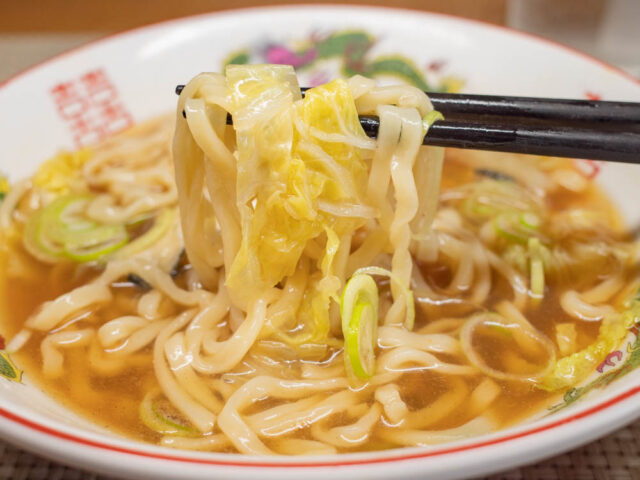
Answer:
(615, 457)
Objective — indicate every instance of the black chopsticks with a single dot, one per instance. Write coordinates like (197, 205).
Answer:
(615, 146)
(560, 109)
(595, 130)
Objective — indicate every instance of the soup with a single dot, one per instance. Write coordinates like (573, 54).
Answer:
(287, 285)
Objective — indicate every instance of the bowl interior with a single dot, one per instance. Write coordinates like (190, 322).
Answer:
(84, 95)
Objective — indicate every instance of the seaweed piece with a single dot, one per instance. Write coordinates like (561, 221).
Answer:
(494, 174)
(177, 266)
(139, 282)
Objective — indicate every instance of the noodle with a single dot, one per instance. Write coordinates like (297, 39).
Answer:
(208, 285)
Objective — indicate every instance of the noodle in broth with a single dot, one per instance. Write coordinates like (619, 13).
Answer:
(197, 299)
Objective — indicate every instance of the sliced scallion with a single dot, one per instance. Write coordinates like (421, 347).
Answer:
(410, 311)
(161, 225)
(359, 312)
(429, 119)
(360, 341)
(536, 269)
(517, 226)
(59, 230)
(157, 413)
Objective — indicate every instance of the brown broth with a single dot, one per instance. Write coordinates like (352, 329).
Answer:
(112, 400)
(109, 401)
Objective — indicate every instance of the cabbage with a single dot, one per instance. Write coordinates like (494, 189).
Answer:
(299, 165)
(573, 369)
(62, 173)
(4, 187)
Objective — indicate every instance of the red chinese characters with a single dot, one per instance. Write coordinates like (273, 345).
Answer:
(91, 107)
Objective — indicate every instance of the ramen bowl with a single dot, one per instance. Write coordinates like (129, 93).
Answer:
(83, 96)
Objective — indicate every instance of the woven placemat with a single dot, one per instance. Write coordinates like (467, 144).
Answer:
(615, 457)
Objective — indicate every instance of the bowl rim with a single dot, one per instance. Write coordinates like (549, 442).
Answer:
(349, 459)
(393, 455)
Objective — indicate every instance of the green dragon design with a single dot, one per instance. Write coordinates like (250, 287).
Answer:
(352, 48)
(631, 363)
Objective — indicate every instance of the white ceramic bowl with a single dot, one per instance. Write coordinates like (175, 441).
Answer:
(82, 95)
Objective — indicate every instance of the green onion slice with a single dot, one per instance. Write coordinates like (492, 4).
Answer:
(429, 119)
(59, 230)
(360, 341)
(161, 225)
(406, 291)
(490, 197)
(517, 226)
(157, 413)
(536, 269)
(359, 312)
